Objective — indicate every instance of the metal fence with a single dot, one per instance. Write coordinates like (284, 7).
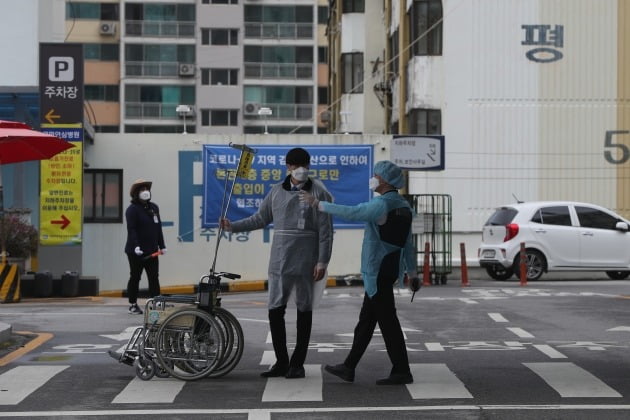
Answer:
(433, 224)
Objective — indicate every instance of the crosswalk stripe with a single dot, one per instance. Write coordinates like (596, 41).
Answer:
(570, 380)
(303, 389)
(157, 390)
(435, 380)
(19, 382)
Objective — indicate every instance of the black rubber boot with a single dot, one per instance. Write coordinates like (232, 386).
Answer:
(279, 339)
(303, 323)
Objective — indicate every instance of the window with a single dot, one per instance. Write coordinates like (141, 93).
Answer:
(322, 95)
(593, 218)
(219, 77)
(352, 72)
(219, 2)
(353, 6)
(96, 11)
(108, 93)
(557, 215)
(166, 53)
(424, 14)
(425, 121)
(219, 117)
(101, 52)
(322, 55)
(322, 14)
(102, 196)
(106, 129)
(394, 49)
(219, 36)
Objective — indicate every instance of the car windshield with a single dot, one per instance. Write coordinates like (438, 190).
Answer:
(502, 216)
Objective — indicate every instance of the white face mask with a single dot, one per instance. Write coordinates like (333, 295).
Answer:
(374, 183)
(145, 195)
(300, 174)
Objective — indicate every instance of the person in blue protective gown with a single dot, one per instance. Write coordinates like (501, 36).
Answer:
(387, 253)
(300, 252)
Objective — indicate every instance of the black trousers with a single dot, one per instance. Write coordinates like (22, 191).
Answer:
(381, 310)
(152, 268)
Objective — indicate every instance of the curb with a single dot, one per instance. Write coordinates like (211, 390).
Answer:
(5, 332)
(235, 286)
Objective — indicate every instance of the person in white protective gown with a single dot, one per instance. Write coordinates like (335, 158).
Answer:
(300, 252)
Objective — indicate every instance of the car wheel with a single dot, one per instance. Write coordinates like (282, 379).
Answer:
(618, 275)
(536, 264)
(498, 272)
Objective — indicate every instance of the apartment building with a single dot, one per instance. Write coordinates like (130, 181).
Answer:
(205, 66)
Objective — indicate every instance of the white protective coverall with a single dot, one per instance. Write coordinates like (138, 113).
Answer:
(294, 251)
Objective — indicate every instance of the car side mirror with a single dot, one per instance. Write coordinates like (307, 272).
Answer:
(622, 226)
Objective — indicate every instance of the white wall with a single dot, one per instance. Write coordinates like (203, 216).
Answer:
(155, 157)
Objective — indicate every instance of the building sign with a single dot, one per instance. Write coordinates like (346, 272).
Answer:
(61, 115)
(418, 152)
(548, 41)
(344, 170)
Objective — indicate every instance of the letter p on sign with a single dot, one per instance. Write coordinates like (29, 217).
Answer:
(61, 69)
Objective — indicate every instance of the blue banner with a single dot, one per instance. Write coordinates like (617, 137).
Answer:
(344, 170)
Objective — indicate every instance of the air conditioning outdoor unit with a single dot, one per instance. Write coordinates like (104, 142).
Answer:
(251, 108)
(108, 28)
(186, 70)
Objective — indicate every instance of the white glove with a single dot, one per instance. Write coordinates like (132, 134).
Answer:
(138, 251)
(163, 251)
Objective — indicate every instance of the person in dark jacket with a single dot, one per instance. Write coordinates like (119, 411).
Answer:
(145, 241)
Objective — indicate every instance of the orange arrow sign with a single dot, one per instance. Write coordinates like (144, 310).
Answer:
(64, 222)
(51, 117)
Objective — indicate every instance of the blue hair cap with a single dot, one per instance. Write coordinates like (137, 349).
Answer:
(391, 173)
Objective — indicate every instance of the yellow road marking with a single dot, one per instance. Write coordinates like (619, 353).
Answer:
(31, 345)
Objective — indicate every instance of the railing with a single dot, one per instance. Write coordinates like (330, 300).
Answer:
(160, 28)
(278, 71)
(279, 30)
(153, 110)
(286, 112)
(152, 69)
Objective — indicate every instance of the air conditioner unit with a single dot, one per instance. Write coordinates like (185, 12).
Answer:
(108, 28)
(251, 108)
(186, 70)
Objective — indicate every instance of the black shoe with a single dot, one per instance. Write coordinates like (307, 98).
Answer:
(276, 371)
(396, 379)
(341, 371)
(295, 372)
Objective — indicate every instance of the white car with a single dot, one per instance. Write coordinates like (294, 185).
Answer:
(558, 235)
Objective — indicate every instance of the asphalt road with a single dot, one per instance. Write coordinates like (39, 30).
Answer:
(551, 349)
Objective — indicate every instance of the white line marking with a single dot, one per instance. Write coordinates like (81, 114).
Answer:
(497, 317)
(268, 340)
(303, 389)
(412, 408)
(259, 415)
(434, 346)
(19, 382)
(570, 380)
(550, 351)
(520, 332)
(264, 321)
(435, 380)
(469, 301)
(157, 390)
(268, 358)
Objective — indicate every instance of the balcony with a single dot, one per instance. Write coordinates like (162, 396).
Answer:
(286, 112)
(278, 30)
(160, 28)
(278, 71)
(153, 110)
(152, 69)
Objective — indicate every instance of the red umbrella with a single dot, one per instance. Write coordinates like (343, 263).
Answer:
(20, 143)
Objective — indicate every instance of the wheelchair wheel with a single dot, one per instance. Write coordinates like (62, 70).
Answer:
(234, 345)
(145, 368)
(189, 344)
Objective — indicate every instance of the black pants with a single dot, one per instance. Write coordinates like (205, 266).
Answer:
(381, 310)
(136, 265)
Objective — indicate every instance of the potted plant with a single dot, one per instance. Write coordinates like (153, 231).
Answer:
(20, 239)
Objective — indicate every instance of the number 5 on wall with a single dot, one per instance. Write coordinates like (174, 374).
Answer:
(624, 149)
